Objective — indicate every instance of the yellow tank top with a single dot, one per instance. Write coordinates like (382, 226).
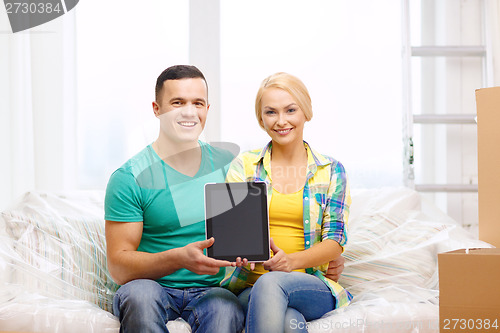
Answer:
(285, 226)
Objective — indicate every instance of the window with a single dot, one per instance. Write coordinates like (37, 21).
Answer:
(121, 50)
(347, 53)
(349, 56)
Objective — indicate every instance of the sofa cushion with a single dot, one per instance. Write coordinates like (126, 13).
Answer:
(393, 244)
(58, 246)
(6, 252)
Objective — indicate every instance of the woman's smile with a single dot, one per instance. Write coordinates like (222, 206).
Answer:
(283, 131)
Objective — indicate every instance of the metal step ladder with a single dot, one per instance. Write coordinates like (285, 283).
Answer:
(410, 119)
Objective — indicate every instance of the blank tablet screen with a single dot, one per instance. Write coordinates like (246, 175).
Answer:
(236, 216)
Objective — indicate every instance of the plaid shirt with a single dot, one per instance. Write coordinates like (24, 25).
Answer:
(326, 203)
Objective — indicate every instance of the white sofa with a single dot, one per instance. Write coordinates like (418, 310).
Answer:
(53, 275)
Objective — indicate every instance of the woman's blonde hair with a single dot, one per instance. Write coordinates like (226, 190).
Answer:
(292, 85)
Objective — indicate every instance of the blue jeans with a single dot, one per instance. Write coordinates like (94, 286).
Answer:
(146, 306)
(285, 302)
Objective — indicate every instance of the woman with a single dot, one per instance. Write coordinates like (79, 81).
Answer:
(308, 200)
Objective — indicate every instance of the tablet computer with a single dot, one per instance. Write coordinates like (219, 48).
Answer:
(236, 216)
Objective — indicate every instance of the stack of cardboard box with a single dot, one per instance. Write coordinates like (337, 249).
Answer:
(469, 279)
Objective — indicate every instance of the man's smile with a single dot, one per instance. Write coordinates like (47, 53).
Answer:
(187, 123)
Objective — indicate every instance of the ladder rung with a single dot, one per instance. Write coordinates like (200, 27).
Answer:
(448, 51)
(446, 187)
(444, 119)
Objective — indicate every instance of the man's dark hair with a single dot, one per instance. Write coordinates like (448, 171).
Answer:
(177, 72)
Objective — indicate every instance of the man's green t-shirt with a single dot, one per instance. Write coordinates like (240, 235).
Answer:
(169, 203)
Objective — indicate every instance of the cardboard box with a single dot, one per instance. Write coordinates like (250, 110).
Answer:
(488, 140)
(469, 291)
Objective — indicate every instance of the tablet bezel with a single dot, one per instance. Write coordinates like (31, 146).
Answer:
(265, 251)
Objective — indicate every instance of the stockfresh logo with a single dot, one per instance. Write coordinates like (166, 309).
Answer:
(28, 14)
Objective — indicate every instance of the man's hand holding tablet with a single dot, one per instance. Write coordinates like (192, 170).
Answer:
(198, 263)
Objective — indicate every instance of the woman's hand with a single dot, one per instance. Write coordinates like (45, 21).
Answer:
(280, 261)
(335, 268)
(242, 262)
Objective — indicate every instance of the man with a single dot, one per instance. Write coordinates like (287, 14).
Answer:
(154, 213)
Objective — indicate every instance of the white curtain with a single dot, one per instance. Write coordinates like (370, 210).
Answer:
(37, 108)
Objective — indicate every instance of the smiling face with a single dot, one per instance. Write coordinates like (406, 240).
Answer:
(282, 118)
(182, 110)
